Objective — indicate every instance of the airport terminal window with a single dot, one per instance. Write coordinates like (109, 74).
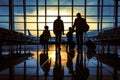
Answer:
(119, 14)
(110, 2)
(18, 10)
(30, 2)
(50, 2)
(5, 12)
(49, 9)
(17, 2)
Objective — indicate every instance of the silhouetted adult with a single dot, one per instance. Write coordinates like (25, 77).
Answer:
(79, 23)
(58, 29)
(58, 70)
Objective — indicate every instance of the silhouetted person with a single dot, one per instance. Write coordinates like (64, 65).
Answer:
(45, 63)
(58, 29)
(70, 35)
(82, 72)
(45, 37)
(70, 42)
(79, 23)
(58, 70)
(69, 64)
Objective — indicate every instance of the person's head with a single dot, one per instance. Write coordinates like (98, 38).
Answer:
(78, 15)
(46, 27)
(58, 17)
(70, 28)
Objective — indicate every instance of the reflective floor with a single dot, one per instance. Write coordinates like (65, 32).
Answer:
(66, 66)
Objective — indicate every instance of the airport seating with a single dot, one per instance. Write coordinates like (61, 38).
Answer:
(110, 35)
(9, 35)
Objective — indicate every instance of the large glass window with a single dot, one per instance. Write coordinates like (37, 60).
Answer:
(4, 10)
(48, 10)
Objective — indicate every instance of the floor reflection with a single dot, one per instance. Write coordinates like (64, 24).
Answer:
(89, 64)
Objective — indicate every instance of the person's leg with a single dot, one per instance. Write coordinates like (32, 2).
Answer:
(81, 48)
(81, 41)
(47, 45)
(78, 43)
(44, 47)
(59, 41)
(56, 40)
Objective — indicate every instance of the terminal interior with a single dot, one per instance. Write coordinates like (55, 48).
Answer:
(23, 57)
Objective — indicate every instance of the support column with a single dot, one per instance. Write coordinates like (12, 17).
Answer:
(116, 13)
(11, 13)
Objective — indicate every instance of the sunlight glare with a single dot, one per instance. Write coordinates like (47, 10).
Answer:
(52, 56)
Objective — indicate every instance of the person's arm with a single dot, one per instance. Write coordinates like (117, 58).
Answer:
(62, 27)
(49, 34)
(54, 27)
(74, 24)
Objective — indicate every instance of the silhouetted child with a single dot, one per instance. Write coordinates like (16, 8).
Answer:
(70, 42)
(46, 36)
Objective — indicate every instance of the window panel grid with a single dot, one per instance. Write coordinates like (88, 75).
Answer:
(68, 18)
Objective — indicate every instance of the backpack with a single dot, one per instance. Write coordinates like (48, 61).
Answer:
(86, 28)
(81, 25)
